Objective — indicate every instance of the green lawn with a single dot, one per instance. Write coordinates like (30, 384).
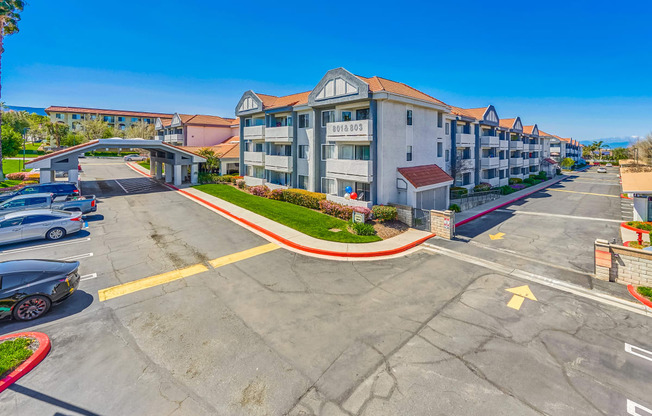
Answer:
(13, 353)
(144, 164)
(307, 221)
(11, 166)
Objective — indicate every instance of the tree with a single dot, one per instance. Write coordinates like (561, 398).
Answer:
(212, 160)
(567, 163)
(460, 167)
(140, 130)
(620, 153)
(9, 18)
(643, 148)
(12, 142)
(597, 145)
(94, 129)
(72, 139)
(57, 131)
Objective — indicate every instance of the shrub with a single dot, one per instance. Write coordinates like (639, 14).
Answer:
(384, 213)
(363, 228)
(536, 181)
(343, 212)
(276, 195)
(240, 183)
(640, 225)
(363, 210)
(533, 176)
(518, 186)
(259, 190)
(459, 191)
(20, 176)
(514, 181)
(542, 175)
(481, 187)
(506, 190)
(645, 291)
(528, 181)
(455, 207)
(303, 198)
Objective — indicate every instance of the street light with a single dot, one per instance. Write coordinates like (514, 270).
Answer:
(24, 140)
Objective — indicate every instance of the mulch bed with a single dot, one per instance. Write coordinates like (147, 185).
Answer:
(389, 229)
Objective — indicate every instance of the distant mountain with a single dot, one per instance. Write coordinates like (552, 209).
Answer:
(37, 110)
(614, 142)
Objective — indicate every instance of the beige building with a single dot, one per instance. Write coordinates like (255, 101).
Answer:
(121, 119)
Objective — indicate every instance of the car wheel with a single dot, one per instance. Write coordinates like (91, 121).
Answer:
(55, 234)
(31, 308)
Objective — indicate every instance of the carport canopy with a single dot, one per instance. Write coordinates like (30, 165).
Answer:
(173, 157)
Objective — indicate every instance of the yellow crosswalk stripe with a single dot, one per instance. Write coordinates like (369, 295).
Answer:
(232, 258)
(584, 193)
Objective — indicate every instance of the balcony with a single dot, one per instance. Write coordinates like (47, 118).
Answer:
(464, 140)
(253, 181)
(536, 147)
(489, 141)
(503, 182)
(504, 163)
(489, 162)
(254, 133)
(173, 138)
(284, 134)
(495, 181)
(278, 163)
(503, 144)
(516, 145)
(254, 158)
(534, 161)
(355, 170)
(515, 161)
(349, 202)
(350, 131)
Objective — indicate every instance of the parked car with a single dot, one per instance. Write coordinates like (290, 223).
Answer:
(29, 287)
(83, 204)
(55, 188)
(135, 158)
(608, 165)
(601, 170)
(37, 224)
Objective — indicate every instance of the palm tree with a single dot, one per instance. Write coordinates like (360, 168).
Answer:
(9, 17)
(598, 146)
(212, 159)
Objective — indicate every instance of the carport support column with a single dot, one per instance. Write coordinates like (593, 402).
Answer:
(159, 170)
(46, 176)
(177, 175)
(73, 176)
(152, 168)
(194, 173)
(168, 172)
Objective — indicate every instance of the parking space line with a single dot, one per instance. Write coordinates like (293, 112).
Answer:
(232, 258)
(77, 257)
(120, 185)
(633, 408)
(547, 214)
(583, 193)
(40, 246)
(88, 277)
(645, 354)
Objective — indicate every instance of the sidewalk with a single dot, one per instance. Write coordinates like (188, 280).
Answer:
(297, 241)
(476, 212)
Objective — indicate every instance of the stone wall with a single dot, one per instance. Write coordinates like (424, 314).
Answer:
(616, 263)
(405, 214)
(442, 223)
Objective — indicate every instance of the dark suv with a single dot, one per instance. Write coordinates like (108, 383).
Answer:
(55, 188)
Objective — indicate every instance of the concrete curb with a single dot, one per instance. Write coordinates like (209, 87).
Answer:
(638, 297)
(289, 243)
(38, 356)
(511, 201)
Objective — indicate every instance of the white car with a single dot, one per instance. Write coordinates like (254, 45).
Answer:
(135, 158)
(608, 165)
(601, 170)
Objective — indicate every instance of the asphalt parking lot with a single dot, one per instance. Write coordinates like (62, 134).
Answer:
(249, 329)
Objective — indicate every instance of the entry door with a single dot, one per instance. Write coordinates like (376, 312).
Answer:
(10, 230)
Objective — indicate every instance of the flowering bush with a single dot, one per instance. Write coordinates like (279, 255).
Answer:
(240, 183)
(303, 198)
(384, 213)
(363, 210)
(276, 194)
(482, 187)
(343, 212)
(459, 191)
(259, 190)
(514, 181)
(16, 176)
(518, 186)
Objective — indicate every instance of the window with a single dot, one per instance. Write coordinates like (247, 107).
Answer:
(303, 151)
(440, 119)
(448, 155)
(346, 116)
(134, 119)
(75, 116)
(147, 120)
(302, 182)
(121, 119)
(327, 151)
(109, 119)
(409, 153)
(362, 114)
(33, 219)
(409, 117)
(14, 204)
(122, 127)
(247, 122)
(346, 152)
(328, 186)
(59, 116)
(37, 201)
(93, 116)
(440, 149)
(327, 117)
(362, 153)
(14, 222)
(363, 190)
(448, 128)
(304, 121)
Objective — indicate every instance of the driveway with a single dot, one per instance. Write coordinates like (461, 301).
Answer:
(203, 317)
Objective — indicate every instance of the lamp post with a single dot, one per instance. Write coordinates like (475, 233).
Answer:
(24, 140)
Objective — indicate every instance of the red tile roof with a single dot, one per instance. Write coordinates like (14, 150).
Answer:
(508, 123)
(229, 149)
(83, 110)
(425, 175)
(528, 129)
(209, 121)
(474, 113)
(550, 161)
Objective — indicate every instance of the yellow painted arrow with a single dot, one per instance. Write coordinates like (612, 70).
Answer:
(497, 236)
(520, 294)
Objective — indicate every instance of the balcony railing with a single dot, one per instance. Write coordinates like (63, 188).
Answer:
(173, 138)
(504, 163)
(503, 182)
(254, 133)
(489, 162)
(464, 140)
(347, 131)
(489, 141)
(516, 161)
(253, 181)
(495, 181)
(278, 163)
(361, 170)
(516, 145)
(284, 134)
(254, 158)
(350, 202)
(503, 144)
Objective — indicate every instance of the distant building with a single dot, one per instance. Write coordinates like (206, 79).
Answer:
(196, 130)
(121, 119)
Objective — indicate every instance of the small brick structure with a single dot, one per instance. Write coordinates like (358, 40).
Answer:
(442, 223)
(405, 214)
(624, 265)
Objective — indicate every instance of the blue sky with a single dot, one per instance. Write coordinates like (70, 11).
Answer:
(578, 69)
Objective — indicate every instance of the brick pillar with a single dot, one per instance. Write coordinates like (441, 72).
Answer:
(605, 267)
(442, 223)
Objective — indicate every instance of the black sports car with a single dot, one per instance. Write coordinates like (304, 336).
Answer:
(29, 287)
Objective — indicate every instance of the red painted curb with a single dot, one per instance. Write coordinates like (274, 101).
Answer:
(38, 356)
(299, 246)
(638, 297)
(625, 197)
(475, 217)
(629, 227)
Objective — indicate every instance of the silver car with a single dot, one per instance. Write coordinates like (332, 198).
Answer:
(37, 224)
(135, 158)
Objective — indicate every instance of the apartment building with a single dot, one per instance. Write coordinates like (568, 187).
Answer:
(196, 130)
(562, 148)
(384, 139)
(122, 119)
